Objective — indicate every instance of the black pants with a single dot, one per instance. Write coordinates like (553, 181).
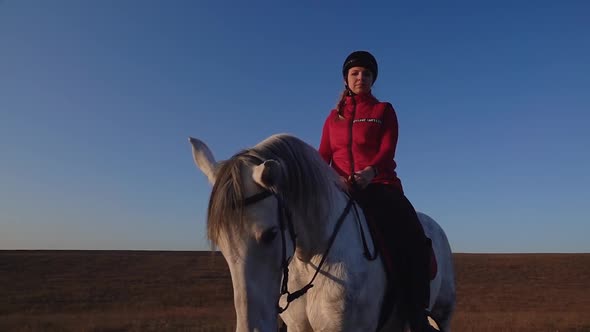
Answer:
(393, 216)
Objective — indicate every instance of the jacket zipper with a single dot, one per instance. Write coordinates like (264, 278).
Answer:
(350, 154)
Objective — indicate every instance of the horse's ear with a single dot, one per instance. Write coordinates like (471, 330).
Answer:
(267, 174)
(204, 158)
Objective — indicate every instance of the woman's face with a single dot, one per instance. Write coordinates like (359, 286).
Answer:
(359, 80)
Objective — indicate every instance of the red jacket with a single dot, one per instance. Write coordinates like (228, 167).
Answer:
(374, 138)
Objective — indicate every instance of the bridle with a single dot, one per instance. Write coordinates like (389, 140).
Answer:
(286, 222)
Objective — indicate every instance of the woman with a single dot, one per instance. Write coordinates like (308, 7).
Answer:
(359, 140)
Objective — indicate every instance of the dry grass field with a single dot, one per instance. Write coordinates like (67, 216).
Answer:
(111, 291)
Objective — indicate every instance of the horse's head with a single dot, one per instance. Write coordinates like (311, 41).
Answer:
(248, 225)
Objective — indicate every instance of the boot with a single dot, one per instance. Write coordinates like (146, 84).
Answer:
(424, 271)
(418, 317)
(420, 289)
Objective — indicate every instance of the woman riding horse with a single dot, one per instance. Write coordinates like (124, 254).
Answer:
(359, 140)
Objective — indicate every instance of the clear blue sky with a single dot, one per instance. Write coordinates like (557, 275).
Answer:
(97, 99)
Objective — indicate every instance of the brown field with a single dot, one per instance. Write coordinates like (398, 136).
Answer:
(111, 291)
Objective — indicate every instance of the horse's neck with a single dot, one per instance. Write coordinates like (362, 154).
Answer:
(347, 279)
(315, 241)
(348, 244)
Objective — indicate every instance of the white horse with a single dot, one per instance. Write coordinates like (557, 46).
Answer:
(282, 221)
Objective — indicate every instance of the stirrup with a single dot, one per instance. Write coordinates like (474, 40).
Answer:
(433, 324)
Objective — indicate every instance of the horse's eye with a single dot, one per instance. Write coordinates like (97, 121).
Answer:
(269, 235)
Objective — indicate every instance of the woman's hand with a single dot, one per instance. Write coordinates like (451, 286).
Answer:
(364, 177)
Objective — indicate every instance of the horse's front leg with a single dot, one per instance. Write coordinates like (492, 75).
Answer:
(295, 318)
(295, 327)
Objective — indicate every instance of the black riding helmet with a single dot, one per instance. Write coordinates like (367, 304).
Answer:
(360, 59)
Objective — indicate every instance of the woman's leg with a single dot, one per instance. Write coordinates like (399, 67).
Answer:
(397, 221)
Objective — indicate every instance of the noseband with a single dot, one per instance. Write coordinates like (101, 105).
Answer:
(286, 222)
